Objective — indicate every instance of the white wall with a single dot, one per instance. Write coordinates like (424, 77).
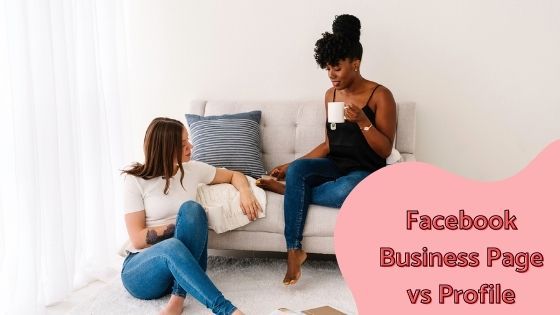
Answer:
(484, 74)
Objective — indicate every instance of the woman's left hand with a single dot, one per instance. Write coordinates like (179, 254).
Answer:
(249, 204)
(355, 114)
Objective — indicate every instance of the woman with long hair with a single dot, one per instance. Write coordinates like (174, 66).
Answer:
(168, 230)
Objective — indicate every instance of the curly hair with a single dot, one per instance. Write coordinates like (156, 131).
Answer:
(342, 43)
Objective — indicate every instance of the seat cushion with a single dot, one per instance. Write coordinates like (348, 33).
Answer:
(320, 220)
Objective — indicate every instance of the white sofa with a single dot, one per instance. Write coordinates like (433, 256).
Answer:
(289, 130)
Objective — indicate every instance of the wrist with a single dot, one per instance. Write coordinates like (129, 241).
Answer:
(365, 124)
(245, 190)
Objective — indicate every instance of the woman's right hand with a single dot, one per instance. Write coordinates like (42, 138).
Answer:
(279, 171)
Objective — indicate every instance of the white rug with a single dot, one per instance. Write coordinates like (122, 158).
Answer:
(252, 284)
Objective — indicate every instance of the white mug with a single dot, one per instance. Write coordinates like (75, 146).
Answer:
(335, 112)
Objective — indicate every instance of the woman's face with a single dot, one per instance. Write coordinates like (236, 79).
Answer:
(187, 146)
(343, 73)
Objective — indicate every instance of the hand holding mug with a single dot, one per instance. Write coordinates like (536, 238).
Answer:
(354, 114)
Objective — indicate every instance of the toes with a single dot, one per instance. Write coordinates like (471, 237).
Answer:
(290, 280)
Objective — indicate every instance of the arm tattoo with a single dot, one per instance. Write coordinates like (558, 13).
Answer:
(152, 237)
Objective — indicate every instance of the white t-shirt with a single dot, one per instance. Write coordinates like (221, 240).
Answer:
(147, 195)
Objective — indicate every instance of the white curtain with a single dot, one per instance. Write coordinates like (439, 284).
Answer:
(60, 71)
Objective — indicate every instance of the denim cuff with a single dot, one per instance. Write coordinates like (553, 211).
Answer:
(226, 308)
(294, 245)
(180, 293)
(177, 290)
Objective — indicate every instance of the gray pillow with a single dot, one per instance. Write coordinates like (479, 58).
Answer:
(232, 141)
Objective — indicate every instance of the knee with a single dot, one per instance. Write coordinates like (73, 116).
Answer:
(340, 194)
(192, 212)
(297, 168)
(172, 245)
(173, 250)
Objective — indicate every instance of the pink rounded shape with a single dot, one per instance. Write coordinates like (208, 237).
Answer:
(375, 216)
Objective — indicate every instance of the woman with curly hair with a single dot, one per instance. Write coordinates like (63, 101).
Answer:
(356, 148)
(168, 230)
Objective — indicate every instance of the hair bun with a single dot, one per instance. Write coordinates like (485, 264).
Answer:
(348, 26)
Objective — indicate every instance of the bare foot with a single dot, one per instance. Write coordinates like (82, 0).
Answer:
(238, 312)
(296, 258)
(272, 185)
(174, 306)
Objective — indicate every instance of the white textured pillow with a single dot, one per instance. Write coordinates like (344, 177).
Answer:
(394, 157)
(395, 154)
(222, 205)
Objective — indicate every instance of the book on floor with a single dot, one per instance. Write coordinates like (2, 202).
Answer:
(323, 310)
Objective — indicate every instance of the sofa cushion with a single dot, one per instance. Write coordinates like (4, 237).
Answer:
(320, 220)
(230, 141)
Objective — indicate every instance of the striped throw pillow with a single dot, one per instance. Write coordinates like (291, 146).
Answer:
(230, 141)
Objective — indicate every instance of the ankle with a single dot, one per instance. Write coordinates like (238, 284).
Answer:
(175, 302)
(296, 252)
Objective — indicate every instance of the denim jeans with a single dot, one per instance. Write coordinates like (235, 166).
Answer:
(317, 181)
(176, 265)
